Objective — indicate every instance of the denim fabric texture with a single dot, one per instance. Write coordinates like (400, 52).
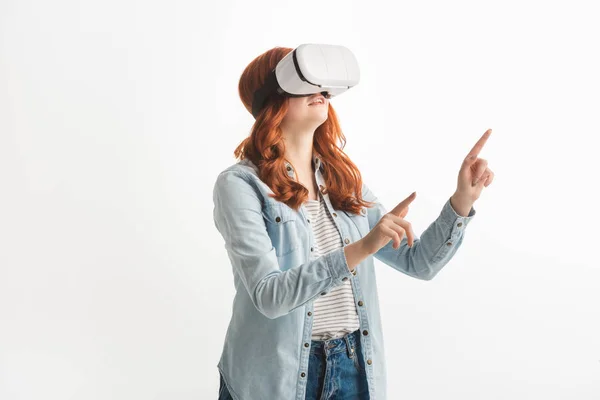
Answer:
(267, 351)
(336, 371)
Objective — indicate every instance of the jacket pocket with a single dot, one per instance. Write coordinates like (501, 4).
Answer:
(360, 220)
(282, 226)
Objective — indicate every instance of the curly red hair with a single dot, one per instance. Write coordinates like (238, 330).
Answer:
(265, 146)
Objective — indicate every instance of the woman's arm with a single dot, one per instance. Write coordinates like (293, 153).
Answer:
(431, 251)
(238, 217)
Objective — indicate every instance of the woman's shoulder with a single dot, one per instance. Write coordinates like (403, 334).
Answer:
(242, 167)
(240, 177)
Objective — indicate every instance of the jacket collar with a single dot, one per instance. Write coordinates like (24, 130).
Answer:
(316, 162)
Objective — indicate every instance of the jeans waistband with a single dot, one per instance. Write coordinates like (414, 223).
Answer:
(348, 343)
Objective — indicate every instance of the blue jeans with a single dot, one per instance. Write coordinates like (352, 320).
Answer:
(336, 371)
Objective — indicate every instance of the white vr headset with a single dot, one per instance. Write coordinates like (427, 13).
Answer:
(309, 69)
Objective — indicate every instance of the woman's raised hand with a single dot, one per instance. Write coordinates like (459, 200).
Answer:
(392, 226)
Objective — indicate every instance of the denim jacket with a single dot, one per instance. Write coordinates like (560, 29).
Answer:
(277, 279)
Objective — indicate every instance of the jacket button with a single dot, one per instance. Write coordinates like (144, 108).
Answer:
(365, 332)
(323, 293)
(303, 374)
(309, 313)
(311, 249)
(334, 214)
(308, 220)
(306, 344)
(347, 240)
(345, 278)
(449, 244)
(278, 219)
(360, 303)
(459, 224)
(363, 211)
(369, 361)
(354, 272)
(289, 168)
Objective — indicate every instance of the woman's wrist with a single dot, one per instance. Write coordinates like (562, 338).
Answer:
(355, 253)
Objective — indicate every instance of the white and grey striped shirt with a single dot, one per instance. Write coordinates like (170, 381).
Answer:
(335, 313)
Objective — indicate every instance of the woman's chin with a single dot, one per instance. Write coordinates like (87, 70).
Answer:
(319, 119)
(318, 114)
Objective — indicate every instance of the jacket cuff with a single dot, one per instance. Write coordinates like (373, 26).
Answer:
(454, 220)
(338, 266)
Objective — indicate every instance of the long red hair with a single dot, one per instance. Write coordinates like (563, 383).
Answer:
(265, 146)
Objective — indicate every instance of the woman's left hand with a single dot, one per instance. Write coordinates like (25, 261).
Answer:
(474, 175)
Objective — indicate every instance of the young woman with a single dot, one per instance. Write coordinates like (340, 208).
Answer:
(300, 228)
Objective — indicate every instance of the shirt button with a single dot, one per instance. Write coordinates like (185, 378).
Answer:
(347, 240)
(311, 249)
(459, 224)
(345, 278)
(365, 332)
(303, 374)
(308, 220)
(309, 313)
(278, 219)
(306, 344)
(334, 214)
(363, 211)
(289, 168)
(449, 244)
(323, 293)
(354, 272)
(369, 361)
(360, 303)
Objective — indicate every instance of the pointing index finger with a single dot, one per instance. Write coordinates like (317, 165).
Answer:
(479, 145)
(403, 205)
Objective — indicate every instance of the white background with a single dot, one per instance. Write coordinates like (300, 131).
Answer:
(117, 116)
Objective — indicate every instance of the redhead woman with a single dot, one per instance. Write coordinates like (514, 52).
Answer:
(301, 229)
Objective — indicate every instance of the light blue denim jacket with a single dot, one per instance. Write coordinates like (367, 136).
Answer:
(267, 344)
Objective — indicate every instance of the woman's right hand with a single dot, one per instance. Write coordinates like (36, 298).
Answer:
(392, 226)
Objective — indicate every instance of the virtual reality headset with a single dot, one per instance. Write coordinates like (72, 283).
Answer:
(309, 69)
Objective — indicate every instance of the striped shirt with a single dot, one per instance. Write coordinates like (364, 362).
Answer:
(335, 313)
